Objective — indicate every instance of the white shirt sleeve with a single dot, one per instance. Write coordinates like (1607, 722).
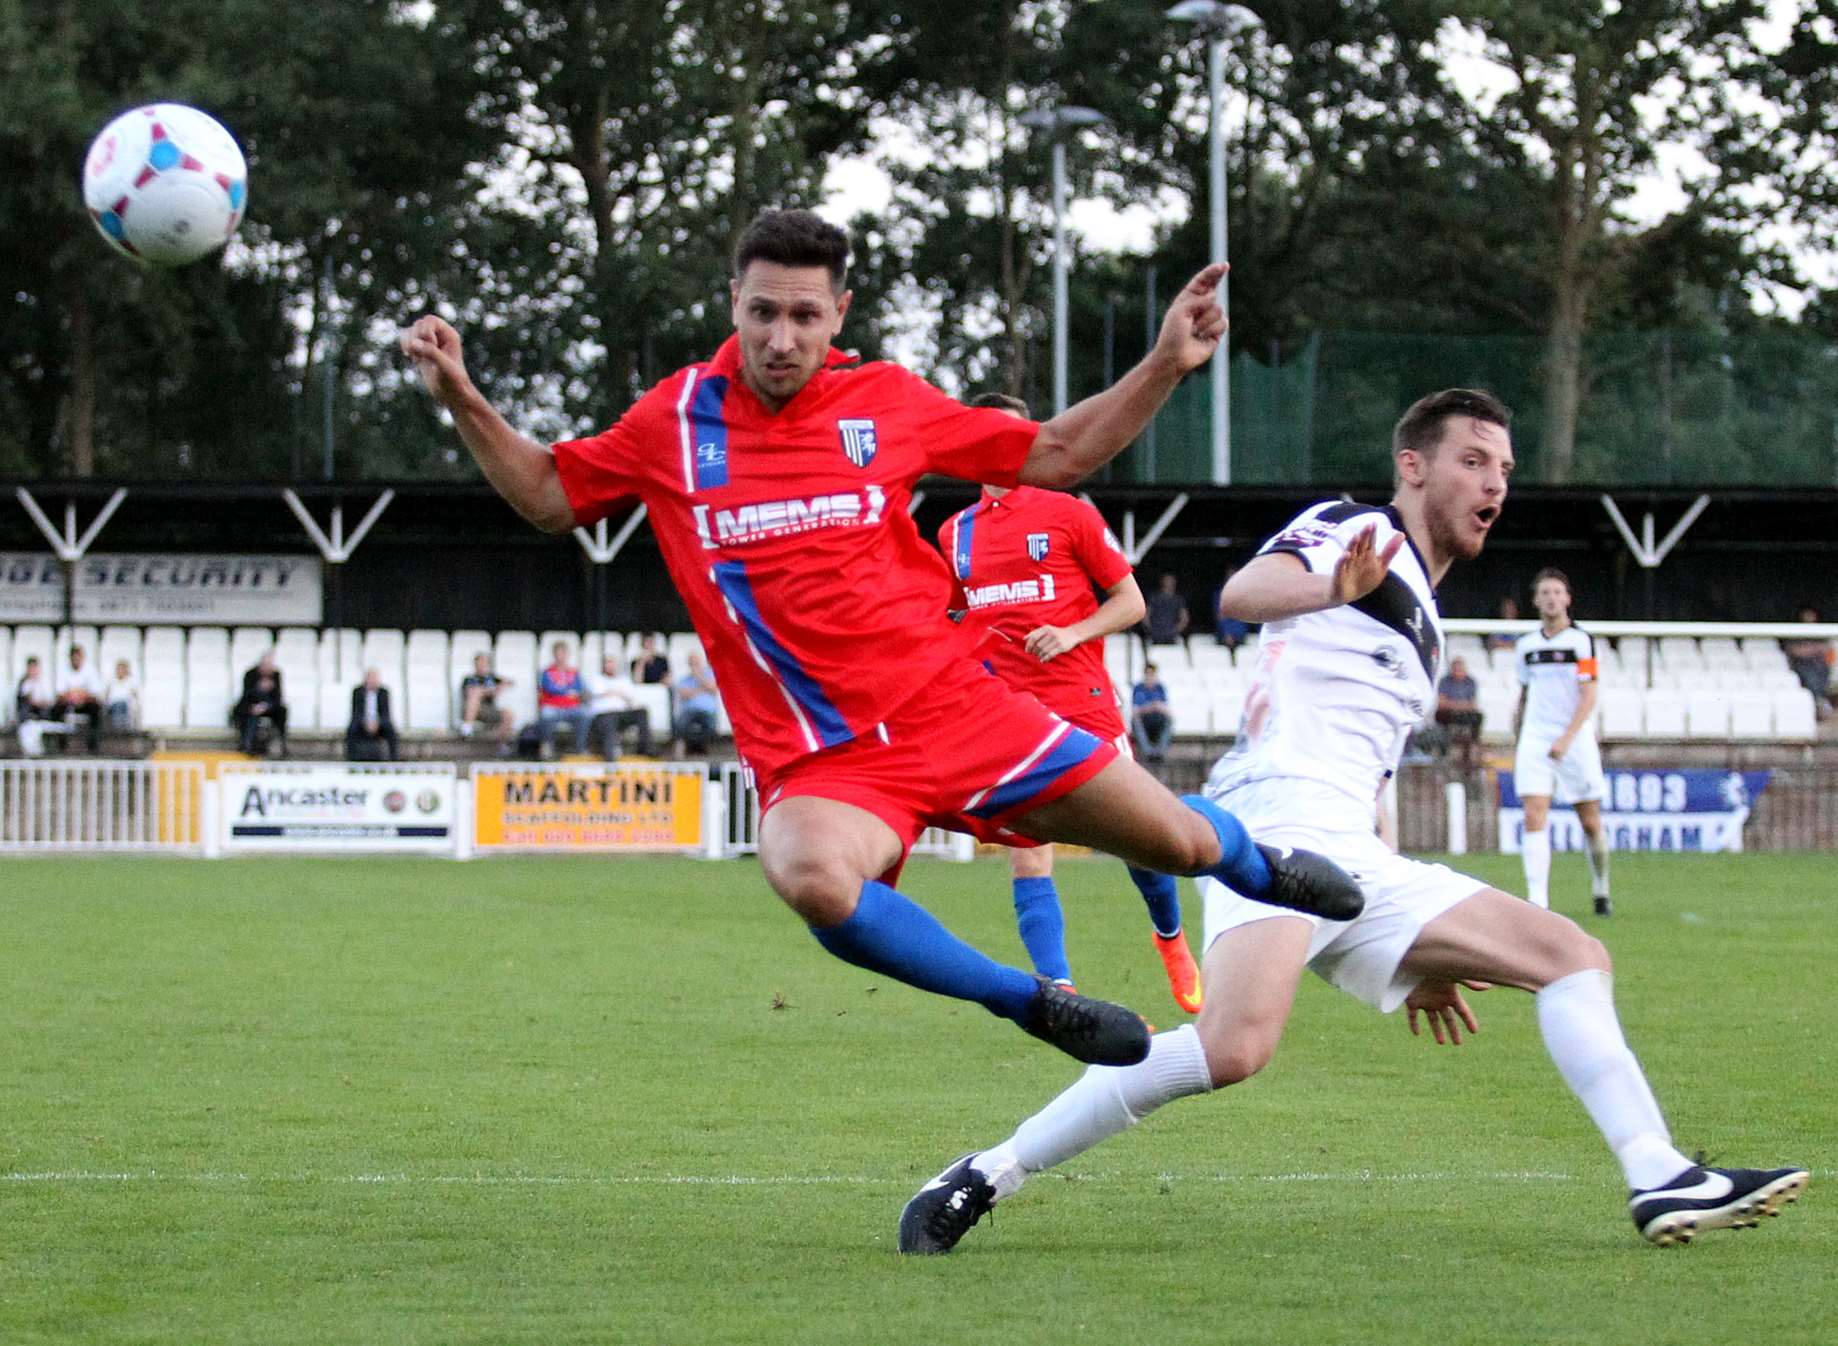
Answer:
(1320, 534)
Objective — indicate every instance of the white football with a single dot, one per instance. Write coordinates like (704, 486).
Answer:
(165, 184)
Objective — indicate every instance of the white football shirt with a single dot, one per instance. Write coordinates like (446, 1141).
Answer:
(1553, 669)
(1336, 694)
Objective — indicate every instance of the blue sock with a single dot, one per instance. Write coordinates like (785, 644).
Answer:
(1240, 867)
(1163, 896)
(1043, 926)
(898, 938)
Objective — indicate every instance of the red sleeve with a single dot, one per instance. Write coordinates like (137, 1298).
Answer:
(981, 444)
(1096, 547)
(600, 472)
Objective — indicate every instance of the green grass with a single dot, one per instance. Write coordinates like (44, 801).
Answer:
(564, 1100)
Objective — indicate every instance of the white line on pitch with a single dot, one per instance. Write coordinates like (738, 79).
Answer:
(742, 1179)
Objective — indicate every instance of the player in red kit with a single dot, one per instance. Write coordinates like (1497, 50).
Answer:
(1027, 562)
(777, 476)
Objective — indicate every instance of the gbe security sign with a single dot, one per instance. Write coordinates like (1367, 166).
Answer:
(1651, 810)
(328, 806)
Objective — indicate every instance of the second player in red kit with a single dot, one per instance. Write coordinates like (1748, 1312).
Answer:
(1029, 565)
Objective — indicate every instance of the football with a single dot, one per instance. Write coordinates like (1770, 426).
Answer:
(165, 184)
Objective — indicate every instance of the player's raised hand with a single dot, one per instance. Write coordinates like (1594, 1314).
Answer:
(1195, 324)
(1363, 565)
(434, 346)
(1047, 643)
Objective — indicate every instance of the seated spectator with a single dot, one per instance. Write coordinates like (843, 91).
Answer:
(650, 665)
(1167, 619)
(613, 704)
(561, 699)
(1811, 662)
(1458, 708)
(1230, 632)
(121, 700)
(698, 707)
(479, 708)
(1150, 719)
(33, 705)
(1504, 640)
(371, 735)
(79, 696)
(261, 707)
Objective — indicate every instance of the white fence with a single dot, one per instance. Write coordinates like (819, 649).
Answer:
(104, 806)
(741, 829)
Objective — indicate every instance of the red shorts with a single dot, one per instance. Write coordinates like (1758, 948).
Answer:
(1099, 719)
(969, 753)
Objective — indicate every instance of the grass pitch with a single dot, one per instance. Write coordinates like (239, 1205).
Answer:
(574, 1100)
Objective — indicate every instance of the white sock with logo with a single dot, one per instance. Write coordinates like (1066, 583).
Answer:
(1535, 851)
(1596, 848)
(1582, 1032)
(1104, 1101)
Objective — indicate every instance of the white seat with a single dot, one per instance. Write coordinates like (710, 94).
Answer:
(247, 645)
(1168, 658)
(1707, 715)
(1664, 713)
(33, 642)
(208, 697)
(75, 635)
(1719, 648)
(1618, 712)
(430, 695)
(1227, 707)
(296, 655)
(385, 650)
(680, 646)
(162, 678)
(1189, 706)
(1795, 717)
(1763, 652)
(1471, 648)
(1207, 655)
(462, 646)
(546, 641)
(1680, 653)
(7, 677)
(112, 646)
(1497, 704)
(1117, 659)
(341, 667)
(515, 658)
(1752, 717)
(654, 699)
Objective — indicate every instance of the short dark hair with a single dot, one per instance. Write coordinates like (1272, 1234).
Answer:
(1553, 573)
(1420, 427)
(1001, 400)
(794, 238)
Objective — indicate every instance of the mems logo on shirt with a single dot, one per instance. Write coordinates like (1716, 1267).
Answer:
(784, 518)
(1019, 591)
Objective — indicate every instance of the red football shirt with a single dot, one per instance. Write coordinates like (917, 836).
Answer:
(820, 606)
(1029, 559)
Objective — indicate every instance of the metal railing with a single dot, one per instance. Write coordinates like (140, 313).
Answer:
(102, 806)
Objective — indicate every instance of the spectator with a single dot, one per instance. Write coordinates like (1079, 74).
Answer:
(33, 704)
(262, 703)
(613, 703)
(371, 735)
(1505, 640)
(1167, 620)
(79, 693)
(1458, 708)
(1811, 662)
(479, 708)
(1149, 717)
(1230, 631)
(560, 697)
(650, 666)
(698, 706)
(121, 700)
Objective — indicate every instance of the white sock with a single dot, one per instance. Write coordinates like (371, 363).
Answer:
(1577, 1016)
(1596, 849)
(1104, 1101)
(1535, 850)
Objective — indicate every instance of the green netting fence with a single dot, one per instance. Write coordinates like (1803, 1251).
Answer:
(1657, 409)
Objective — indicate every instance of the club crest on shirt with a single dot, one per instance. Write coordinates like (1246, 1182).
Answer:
(1038, 545)
(857, 440)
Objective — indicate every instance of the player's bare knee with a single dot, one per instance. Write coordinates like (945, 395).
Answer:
(1570, 948)
(1236, 1052)
(819, 888)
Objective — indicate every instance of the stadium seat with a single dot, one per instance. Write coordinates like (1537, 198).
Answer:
(8, 678)
(67, 636)
(1117, 660)
(461, 647)
(678, 649)
(1207, 655)
(516, 658)
(1227, 708)
(430, 696)
(1794, 717)
(545, 642)
(113, 645)
(162, 678)
(1167, 658)
(1680, 653)
(208, 697)
(1665, 715)
(1707, 715)
(1618, 712)
(33, 642)
(1764, 654)
(1497, 704)
(247, 645)
(1190, 706)
(1752, 717)
(296, 654)
(341, 667)
(1634, 660)
(654, 699)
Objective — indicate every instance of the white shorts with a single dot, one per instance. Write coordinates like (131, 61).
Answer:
(1361, 956)
(1577, 779)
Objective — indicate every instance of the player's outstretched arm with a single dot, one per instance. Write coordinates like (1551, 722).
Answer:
(1279, 585)
(520, 469)
(1089, 434)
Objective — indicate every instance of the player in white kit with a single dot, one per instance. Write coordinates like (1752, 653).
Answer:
(1347, 668)
(1558, 755)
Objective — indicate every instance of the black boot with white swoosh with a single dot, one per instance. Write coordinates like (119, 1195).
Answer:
(1713, 1198)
